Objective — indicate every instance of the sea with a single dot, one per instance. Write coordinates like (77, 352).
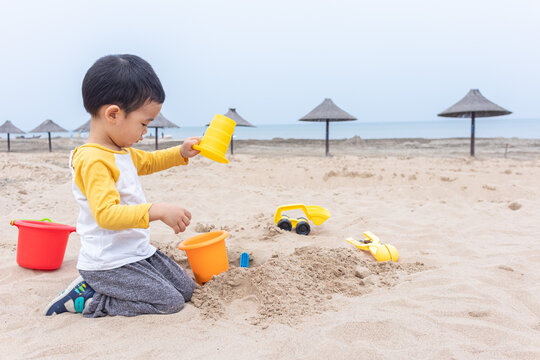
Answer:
(435, 129)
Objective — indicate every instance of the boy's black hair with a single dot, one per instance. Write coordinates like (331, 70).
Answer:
(124, 80)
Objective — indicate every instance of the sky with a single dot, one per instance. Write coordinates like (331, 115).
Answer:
(274, 61)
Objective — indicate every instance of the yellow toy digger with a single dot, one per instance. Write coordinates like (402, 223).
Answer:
(371, 243)
(317, 214)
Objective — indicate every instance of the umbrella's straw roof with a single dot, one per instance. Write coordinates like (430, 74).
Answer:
(474, 102)
(327, 110)
(240, 121)
(9, 128)
(84, 127)
(48, 126)
(161, 122)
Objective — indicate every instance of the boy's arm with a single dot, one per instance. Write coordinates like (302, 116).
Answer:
(150, 162)
(175, 216)
(96, 180)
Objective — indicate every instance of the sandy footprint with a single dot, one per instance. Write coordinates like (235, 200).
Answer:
(478, 314)
(514, 206)
(505, 268)
(448, 179)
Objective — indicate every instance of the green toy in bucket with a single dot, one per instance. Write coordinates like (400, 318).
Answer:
(42, 243)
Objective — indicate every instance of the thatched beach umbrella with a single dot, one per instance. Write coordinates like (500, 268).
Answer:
(474, 105)
(84, 127)
(9, 128)
(240, 121)
(48, 126)
(328, 111)
(161, 122)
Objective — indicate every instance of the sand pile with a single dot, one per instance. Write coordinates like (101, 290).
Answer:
(287, 287)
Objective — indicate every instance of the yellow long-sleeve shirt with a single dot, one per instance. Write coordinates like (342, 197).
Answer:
(113, 221)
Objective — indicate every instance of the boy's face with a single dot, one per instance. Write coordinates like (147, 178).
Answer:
(130, 129)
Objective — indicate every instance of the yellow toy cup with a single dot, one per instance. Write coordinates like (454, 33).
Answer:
(207, 254)
(216, 139)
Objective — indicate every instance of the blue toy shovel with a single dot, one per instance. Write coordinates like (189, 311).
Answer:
(244, 260)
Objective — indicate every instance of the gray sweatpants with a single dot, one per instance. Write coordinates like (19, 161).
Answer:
(156, 285)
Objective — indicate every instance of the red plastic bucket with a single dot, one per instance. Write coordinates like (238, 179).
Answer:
(41, 244)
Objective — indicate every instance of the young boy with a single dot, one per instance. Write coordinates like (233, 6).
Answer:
(121, 273)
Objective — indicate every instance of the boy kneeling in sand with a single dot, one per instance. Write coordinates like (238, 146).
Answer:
(121, 273)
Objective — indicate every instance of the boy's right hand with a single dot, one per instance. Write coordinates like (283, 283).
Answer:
(187, 150)
(175, 216)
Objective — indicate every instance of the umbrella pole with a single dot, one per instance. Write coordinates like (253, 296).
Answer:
(156, 138)
(8, 146)
(327, 144)
(232, 145)
(472, 134)
(50, 147)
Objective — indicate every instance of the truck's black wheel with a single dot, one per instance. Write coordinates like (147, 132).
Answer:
(284, 224)
(303, 228)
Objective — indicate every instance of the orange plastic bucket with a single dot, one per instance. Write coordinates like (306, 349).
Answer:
(41, 244)
(207, 254)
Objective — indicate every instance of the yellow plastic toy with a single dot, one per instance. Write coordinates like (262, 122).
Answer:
(371, 243)
(216, 139)
(315, 213)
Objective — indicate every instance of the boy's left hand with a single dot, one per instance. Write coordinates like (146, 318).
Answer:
(187, 150)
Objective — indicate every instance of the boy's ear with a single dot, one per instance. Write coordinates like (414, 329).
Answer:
(112, 112)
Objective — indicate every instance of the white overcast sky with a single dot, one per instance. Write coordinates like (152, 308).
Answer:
(275, 60)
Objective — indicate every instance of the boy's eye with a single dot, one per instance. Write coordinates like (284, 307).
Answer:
(143, 124)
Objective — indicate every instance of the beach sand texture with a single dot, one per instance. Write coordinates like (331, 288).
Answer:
(466, 286)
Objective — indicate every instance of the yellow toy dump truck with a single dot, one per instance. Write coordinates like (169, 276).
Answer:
(317, 214)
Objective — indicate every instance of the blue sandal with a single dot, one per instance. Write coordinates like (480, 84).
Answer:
(72, 299)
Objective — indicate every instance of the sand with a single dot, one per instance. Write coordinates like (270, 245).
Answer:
(466, 284)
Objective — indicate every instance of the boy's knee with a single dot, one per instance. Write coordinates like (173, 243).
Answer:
(172, 304)
(188, 292)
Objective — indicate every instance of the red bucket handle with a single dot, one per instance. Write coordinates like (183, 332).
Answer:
(12, 222)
